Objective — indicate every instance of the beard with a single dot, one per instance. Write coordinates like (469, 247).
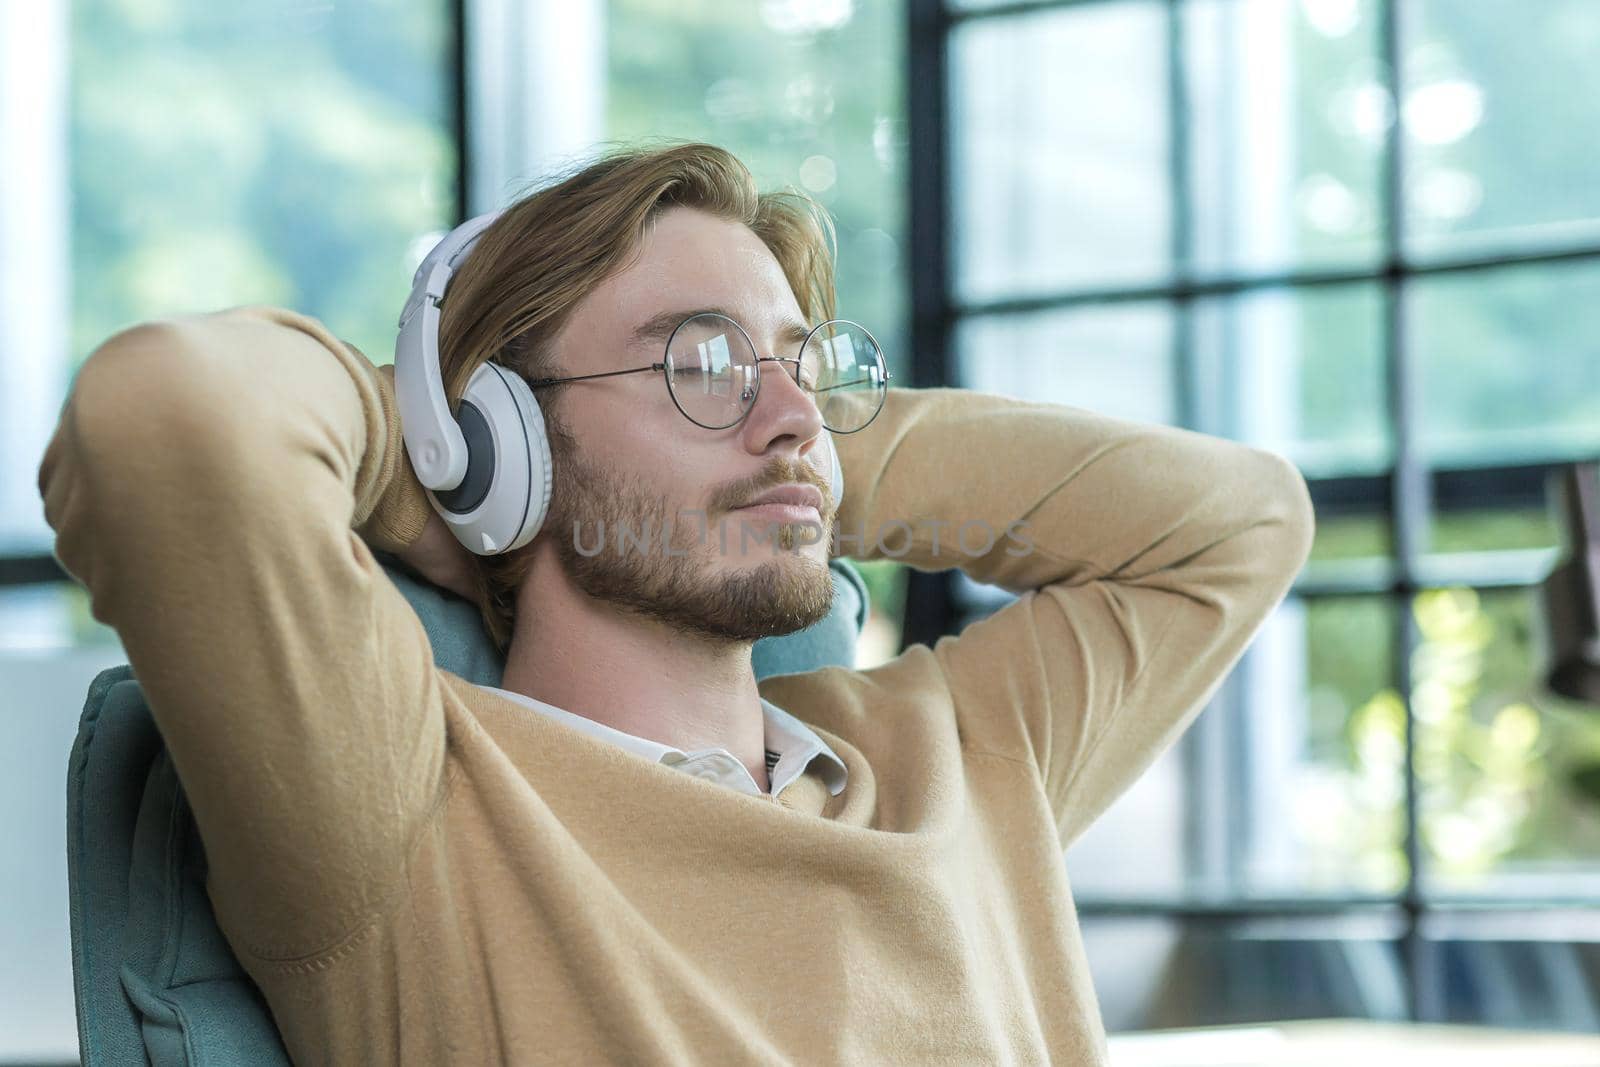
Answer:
(784, 593)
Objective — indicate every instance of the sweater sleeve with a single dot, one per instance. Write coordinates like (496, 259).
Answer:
(1145, 557)
(210, 483)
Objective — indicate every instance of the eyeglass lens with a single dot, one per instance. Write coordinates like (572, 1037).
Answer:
(712, 372)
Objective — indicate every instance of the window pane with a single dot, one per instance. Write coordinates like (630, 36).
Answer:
(1114, 359)
(1491, 529)
(50, 617)
(1507, 771)
(1297, 371)
(1059, 150)
(1350, 537)
(1301, 372)
(1288, 124)
(809, 96)
(243, 153)
(205, 156)
(1323, 747)
(886, 590)
(1510, 363)
(1494, 92)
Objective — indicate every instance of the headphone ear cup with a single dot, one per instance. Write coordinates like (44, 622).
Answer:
(474, 424)
(502, 500)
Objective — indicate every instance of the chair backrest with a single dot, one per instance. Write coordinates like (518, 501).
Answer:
(154, 978)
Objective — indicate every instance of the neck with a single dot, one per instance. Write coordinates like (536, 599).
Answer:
(635, 674)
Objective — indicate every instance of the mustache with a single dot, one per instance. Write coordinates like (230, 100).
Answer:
(779, 472)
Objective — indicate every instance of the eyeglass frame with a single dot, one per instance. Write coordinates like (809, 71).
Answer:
(539, 383)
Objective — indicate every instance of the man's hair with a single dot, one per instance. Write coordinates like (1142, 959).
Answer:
(553, 246)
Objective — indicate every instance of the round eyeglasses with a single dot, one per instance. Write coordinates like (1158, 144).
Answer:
(714, 375)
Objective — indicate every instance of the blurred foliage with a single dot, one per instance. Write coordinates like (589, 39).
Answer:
(1500, 761)
(1478, 761)
(1352, 537)
(1348, 800)
(886, 584)
(255, 153)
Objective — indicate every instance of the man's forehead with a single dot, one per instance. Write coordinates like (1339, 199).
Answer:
(691, 262)
(780, 323)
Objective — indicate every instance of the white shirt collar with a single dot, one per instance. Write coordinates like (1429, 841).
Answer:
(790, 746)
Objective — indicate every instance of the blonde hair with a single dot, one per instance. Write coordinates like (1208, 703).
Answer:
(549, 250)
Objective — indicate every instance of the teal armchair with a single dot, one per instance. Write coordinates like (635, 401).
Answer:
(154, 978)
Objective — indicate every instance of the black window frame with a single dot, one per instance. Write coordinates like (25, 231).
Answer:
(1406, 492)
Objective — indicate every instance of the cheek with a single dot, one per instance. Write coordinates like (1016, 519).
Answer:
(662, 466)
(650, 446)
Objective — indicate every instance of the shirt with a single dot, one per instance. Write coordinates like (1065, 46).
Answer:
(790, 747)
(415, 870)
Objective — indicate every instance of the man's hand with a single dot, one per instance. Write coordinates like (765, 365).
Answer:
(442, 560)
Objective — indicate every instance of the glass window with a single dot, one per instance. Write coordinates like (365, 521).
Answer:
(1059, 150)
(1064, 176)
(1288, 118)
(1127, 954)
(1115, 359)
(1360, 535)
(1301, 372)
(1323, 752)
(47, 618)
(246, 153)
(1507, 772)
(886, 593)
(1494, 92)
(1486, 529)
(1509, 363)
(1298, 371)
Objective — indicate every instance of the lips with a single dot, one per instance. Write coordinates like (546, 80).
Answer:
(794, 494)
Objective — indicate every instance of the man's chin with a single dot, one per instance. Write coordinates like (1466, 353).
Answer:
(780, 594)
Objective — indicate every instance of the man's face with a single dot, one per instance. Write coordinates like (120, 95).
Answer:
(638, 466)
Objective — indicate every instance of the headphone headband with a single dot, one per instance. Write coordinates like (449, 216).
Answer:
(429, 281)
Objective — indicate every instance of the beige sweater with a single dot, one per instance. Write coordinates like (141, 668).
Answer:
(417, 870)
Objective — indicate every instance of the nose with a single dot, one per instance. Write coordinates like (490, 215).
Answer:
(785, 415)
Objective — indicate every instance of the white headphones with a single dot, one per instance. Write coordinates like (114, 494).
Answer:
(487, 468)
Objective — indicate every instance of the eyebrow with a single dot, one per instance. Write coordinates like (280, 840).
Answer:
(660, 327)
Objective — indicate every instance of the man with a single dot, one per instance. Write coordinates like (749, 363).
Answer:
(414, 868)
